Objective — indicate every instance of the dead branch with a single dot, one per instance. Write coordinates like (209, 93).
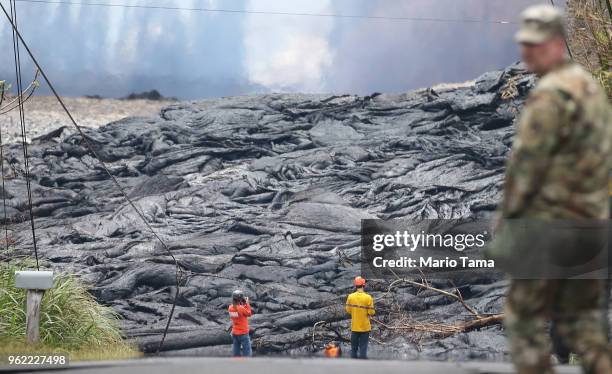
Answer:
(29, 91)
(441, 329)
(314, 329)
(425, 285)
(483, 321)
(418, 329)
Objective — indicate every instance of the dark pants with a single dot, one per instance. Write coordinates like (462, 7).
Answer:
(241, 340)
(359, 344)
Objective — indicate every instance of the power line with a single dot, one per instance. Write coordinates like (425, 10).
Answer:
(2, 92)
(26, 161)
(97, 157)
(273, 13)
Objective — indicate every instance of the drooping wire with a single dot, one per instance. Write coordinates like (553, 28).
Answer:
(270, 13)
(17, 58)
(2, 92)
(103, 165)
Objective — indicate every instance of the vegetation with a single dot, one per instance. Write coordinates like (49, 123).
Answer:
(590, 37)
(72, 321)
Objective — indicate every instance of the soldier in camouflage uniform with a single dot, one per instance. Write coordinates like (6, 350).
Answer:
(558, 170)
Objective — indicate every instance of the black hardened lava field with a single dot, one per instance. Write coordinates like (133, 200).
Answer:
(266, 193)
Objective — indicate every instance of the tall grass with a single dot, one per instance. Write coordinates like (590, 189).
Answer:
(71, 320)
(590, 37)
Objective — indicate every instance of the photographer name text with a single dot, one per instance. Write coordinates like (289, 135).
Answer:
(433, 263)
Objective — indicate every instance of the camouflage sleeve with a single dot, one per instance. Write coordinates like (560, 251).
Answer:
(541, 128)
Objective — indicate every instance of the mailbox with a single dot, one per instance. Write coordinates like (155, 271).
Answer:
(34, 280)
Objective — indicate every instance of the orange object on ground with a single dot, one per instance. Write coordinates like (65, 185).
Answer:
(238, 315)
(332, 350)
(359, 281)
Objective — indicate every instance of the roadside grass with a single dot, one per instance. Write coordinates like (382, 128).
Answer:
(72, 321)
(574, 359)
(19, 346)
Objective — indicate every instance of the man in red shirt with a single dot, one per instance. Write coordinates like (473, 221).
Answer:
(239, 311)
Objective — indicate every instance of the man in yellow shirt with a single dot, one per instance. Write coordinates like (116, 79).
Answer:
(360, 306)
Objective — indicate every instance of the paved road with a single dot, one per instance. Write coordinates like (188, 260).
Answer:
(266, 365)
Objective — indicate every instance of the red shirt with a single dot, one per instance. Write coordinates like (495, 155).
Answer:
(238, 315)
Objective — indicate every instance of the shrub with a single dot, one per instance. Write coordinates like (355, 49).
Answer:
(590, 37)
(71, 320)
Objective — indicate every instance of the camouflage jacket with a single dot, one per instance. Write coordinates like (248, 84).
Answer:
(562, 151)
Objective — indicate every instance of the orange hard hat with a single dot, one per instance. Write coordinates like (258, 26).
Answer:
(359, 281)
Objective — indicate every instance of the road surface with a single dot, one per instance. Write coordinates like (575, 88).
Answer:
(266, 365)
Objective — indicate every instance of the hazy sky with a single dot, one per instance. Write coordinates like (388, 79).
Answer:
(113, 51)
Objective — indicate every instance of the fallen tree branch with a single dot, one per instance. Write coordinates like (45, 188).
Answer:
(457, 296)
(442, 329)
(314, 329)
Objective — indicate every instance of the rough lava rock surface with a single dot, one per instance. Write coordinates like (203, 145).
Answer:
(265, 193)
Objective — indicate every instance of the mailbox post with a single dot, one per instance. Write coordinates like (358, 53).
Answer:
(35, 283)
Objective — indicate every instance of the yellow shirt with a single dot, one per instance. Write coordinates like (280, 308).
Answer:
(360, 306)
